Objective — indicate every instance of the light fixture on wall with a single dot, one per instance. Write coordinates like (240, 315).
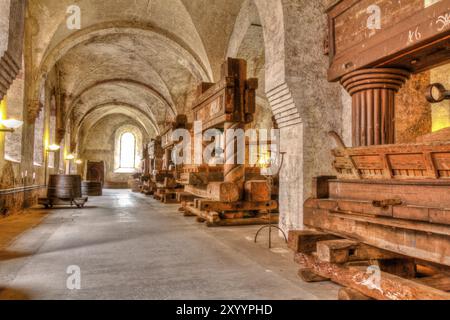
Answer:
(70, 156)
(79, 161)
(53, 148)
(9, 125)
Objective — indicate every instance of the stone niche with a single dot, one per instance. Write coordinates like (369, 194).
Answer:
(100, 143)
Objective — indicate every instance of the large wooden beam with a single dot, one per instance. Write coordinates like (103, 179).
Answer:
(419, 240)
(305, 241)
(208, 205)
(343, 250)
(223, 191)
(384, 287)
(257, 191)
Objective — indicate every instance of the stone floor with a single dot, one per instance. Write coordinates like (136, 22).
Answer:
(129, 246)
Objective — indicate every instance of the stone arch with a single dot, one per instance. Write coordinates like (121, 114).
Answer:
(136, 132)
(193, 62)
(80, 124)
(144, 86)
(272, 18)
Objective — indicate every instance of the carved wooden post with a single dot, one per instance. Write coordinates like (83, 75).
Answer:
(373, 104)
(233, 171)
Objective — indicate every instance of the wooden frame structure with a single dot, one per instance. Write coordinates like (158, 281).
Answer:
(388, 207)
(166, 179)
(239, 198)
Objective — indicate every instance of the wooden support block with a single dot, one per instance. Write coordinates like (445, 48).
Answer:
(308, 275)
(261, 220)
(200, 178)
(343, 250)
(208, 205)
(305, 241)
(223, 191)
(320, 188)
(351, 294)
(257, 191)
(382, 286)
(187, 212)
(424, 241)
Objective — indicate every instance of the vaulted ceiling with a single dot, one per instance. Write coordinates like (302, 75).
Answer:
(140, 58)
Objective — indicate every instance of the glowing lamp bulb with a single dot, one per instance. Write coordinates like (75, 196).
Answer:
(53, 147)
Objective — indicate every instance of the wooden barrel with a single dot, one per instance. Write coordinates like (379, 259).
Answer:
(64, 187)
(91, 188)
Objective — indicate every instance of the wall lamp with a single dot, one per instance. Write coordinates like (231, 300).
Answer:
(53, 148)
(9, 125)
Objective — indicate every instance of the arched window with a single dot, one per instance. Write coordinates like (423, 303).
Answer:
(127, 151)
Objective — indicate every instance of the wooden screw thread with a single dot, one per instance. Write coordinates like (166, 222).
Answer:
(373, 104)
(233, 171)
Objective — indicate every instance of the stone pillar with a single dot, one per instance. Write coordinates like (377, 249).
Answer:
(373, 104)
(12, 17)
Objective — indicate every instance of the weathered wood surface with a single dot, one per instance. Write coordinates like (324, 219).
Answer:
(305, 241)
(372, 209)
(431, 194)
(343, 251)
(442, 135)
(199, 178)
(213, 219)
(426, 241)
(409, 32)
(362, 279)
(217, 191)
(208, 205)
(402, 161)
(257, 191)
(308, 275)
(232, 99)
(64, 186)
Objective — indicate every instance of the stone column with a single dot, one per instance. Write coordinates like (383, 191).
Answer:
(373, 104)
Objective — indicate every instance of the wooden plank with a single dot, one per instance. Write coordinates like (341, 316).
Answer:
(420, 240)
(381, 286)
(343, 250)
(200, 178)
(260, 220)
(257, 191)
(306, 240)
(308, 275)
(223, 191)
(432, 194)
(409, 32)
(208, 205)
